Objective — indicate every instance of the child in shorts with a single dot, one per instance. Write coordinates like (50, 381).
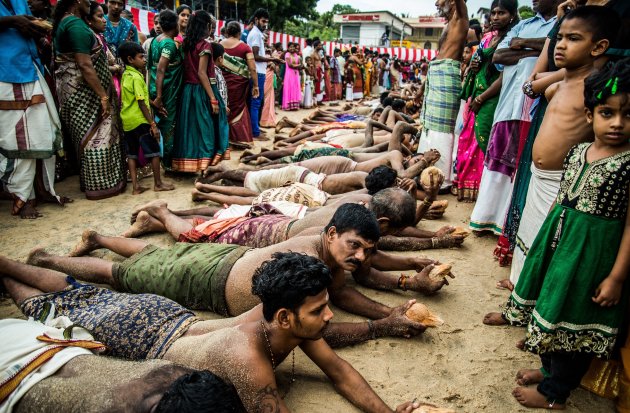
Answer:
(139, 127)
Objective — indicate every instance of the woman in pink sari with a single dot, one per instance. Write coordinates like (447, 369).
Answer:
(268, 117)
(291, 92)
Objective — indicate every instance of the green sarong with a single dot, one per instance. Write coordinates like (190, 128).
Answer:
(193, 275)
(441, 96)
(572, 254)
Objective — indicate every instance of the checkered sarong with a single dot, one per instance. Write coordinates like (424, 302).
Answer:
(441, 96)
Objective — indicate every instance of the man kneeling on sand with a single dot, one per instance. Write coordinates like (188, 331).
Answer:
(243, 351)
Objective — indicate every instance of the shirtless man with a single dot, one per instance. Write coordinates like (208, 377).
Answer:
(443, 86)
(217, 277)
(60, 383)
(592, 26)
(243, 351)
(370, 141)
(395, 212)
(379, 178)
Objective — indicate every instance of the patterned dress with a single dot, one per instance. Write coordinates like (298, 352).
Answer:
(573, 253)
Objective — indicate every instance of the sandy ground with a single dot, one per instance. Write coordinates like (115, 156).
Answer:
(463, 364)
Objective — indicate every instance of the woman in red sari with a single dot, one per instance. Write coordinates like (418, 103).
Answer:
(238, 62)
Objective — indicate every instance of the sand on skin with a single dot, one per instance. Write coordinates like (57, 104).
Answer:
(463, 364)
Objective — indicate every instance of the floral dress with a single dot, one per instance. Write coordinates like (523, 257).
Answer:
(573, 253)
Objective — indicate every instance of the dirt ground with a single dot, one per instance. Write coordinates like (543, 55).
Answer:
(463, 364)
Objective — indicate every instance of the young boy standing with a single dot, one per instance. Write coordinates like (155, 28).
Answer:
(140, 129)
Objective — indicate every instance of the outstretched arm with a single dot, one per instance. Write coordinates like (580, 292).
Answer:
(510, 57)
(347, 381)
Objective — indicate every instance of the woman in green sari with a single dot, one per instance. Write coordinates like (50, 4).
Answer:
(481, 92)
(88, 101)
(165, 64)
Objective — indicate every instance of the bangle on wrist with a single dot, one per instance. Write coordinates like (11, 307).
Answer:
(435, 242)
(427, 201)
(402, 282)
(528, 89)
(371, 330)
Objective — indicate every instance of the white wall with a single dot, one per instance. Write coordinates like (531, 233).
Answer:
(371, 34)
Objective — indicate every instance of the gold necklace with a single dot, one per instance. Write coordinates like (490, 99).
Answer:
(273, 361)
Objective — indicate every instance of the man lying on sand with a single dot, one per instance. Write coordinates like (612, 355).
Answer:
(264, 225)
(57, 364)
(218, 277)
(242, 351)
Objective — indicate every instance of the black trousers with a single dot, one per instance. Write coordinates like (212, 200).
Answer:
(564, 372)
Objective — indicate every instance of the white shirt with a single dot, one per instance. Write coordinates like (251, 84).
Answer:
(307, 51)
(255, 38)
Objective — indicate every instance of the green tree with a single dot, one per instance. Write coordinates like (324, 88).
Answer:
(318, 25)
(283, 10)
(526, 12)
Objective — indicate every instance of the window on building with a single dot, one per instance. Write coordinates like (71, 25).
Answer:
(428, 31)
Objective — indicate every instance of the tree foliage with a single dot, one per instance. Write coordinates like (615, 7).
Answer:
(282, 11)
(526, 12)
(318, 25)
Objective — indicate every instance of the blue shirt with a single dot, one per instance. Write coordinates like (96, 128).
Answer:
(512, 98)
(244, 35)
(18, 54)
(115, 36)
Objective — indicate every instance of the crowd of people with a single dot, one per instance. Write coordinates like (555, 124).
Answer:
(529, 119)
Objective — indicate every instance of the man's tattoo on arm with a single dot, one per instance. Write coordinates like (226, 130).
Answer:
(268, 400)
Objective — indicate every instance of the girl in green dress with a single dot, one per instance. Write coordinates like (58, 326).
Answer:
(165, 64)
(571, 294)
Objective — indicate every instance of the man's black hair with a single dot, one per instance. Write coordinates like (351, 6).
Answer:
(353, 49)
(199, 391)
(379, 178)
(387, 101)
(599, 86)
(168, 20)
(398, 105)
(355, 217)
(260, 14)
(395, 204)
(602, 22)
(287, 279)
(129, 50)
(217, 50)
(384, 95)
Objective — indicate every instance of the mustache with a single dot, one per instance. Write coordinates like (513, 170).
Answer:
(354, 261)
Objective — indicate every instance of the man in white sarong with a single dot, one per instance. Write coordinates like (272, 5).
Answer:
(31, 131)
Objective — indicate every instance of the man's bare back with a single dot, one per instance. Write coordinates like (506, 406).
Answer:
(563, 126)
(238, 294)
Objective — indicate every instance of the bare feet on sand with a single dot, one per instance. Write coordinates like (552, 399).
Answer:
(197, 195)
(525, 377)
(144, 224)
(86, 245)
(35, 256)
(494, 319)
(138, 190)
(156, 203)
(163, 187)
(532, 398)
(505, 284)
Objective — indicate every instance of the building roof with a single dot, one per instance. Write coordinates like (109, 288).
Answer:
(425, 22)
(368, 16)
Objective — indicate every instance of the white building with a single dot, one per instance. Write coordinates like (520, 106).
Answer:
(373, 28)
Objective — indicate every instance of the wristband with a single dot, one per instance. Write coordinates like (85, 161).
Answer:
(478, 100)
(402, 282)
(528, 89)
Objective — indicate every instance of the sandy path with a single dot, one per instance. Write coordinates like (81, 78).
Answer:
(463, 364)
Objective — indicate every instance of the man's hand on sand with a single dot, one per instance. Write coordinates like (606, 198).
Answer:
(398, 325)
(423, 284)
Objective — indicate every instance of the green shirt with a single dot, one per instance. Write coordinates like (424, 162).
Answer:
(74, 36)
(133, 89)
